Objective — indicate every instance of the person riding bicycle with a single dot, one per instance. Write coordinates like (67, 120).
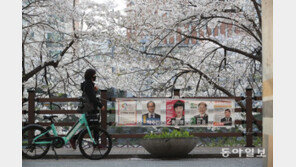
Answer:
(89, 88)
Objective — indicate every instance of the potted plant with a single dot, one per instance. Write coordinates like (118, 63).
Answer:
(169, 144)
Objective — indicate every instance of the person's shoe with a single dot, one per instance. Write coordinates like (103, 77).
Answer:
(73, 143)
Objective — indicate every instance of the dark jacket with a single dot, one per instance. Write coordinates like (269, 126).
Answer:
(201, 120)
(229, 123)
(146, 115)
(88, 87)
(153, 121)
(182, 121)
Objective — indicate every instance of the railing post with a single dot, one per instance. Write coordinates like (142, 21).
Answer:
(104, 113)
(249, 118)
(31, 106)
(31, 112)
(176, 92)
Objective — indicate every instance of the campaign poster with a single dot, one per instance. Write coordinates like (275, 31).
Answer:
(211, 113)
(175, 112)
(225, 115)
(151, 112)
(126, 112)
(200, 112)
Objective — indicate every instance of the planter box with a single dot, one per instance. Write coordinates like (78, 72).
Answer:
(169, 147)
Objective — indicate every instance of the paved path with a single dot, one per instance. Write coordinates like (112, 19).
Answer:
(137, 162)
(140, 152)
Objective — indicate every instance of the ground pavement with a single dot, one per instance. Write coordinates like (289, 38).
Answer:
(139, 157)
(140, 152)
(138, 162)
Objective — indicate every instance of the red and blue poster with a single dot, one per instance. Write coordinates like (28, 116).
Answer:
(175, 112)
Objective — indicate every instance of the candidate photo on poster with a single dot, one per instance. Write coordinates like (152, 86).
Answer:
(178, 118)
(227, 120)
(202, 117)
(151, 118)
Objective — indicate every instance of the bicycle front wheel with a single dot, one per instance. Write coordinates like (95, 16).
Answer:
(98, 150)
(29, 149)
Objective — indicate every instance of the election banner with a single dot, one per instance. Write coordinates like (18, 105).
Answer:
(175, 112)
(211, 113)
(151, 112)
(126, 112)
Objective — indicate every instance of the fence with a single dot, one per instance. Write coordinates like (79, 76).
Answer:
(248, 109)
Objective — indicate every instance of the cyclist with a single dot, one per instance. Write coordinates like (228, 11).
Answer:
(89, 88)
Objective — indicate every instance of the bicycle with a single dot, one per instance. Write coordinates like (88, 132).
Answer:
(36, 140)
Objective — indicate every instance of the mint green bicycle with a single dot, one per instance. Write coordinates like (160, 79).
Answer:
(94, 142)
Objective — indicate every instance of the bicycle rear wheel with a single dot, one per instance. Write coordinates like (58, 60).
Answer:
(91, 150)
(30, 150)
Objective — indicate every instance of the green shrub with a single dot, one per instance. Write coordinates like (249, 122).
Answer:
(173, 134)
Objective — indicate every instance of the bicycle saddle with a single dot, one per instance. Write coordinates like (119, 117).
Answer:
(50, 117)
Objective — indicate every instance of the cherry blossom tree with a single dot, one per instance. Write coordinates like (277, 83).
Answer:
(204, 47)
(61, 39)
